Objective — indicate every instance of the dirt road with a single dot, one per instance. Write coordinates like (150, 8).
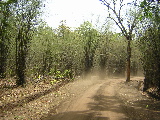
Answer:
(90, 98)
(107, 99)
(97, 102)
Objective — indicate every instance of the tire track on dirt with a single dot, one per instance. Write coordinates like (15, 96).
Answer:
(98, 102)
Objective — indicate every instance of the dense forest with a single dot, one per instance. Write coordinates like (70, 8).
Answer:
(30, 50)
(86, 72)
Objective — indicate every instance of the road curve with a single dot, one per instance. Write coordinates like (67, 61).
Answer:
(98, 102)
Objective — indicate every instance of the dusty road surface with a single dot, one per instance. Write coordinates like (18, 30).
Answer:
(99, 101)
(90, 98)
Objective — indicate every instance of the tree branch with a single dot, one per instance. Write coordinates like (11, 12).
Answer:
(117, 24)
(119, 19)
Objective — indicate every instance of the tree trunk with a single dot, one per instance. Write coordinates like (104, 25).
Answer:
(128, 60)
(87, 63)
(2, 59)
(3, 41)
(21, 69)
(21, 49)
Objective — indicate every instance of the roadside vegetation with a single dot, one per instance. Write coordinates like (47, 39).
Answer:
(34, 55)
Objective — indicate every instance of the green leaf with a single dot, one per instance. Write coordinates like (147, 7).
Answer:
(150, 14)
(142, 4)
(147, 106)
(141, 17)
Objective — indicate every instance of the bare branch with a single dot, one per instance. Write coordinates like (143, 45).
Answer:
(119, 19)
(117, 24)
(114, 3)
(121, 5)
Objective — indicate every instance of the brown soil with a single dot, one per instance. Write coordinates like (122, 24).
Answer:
(89, 99)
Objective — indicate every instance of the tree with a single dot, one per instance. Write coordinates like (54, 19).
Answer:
(25, 18)
(111, 54)
(115, 14)
(90, 42)
(149, 43)
(4, 37)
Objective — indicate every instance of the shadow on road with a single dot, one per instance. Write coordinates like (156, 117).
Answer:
(94, 113)
(75, 115)
(101, 104)
(105, 103)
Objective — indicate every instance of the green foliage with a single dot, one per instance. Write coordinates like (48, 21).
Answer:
(18, 18)
(59, 75)
(90, 39)
(149, 45)
(150, 10)
(68, 74)
(38, 51)
(4, 37)
(112, 54)
(25, 17)
(53, 82)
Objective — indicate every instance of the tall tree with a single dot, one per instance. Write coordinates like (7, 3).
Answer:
(25, 18)
(126, 23)
(90, 40)
(149, 43)
(4, 34)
